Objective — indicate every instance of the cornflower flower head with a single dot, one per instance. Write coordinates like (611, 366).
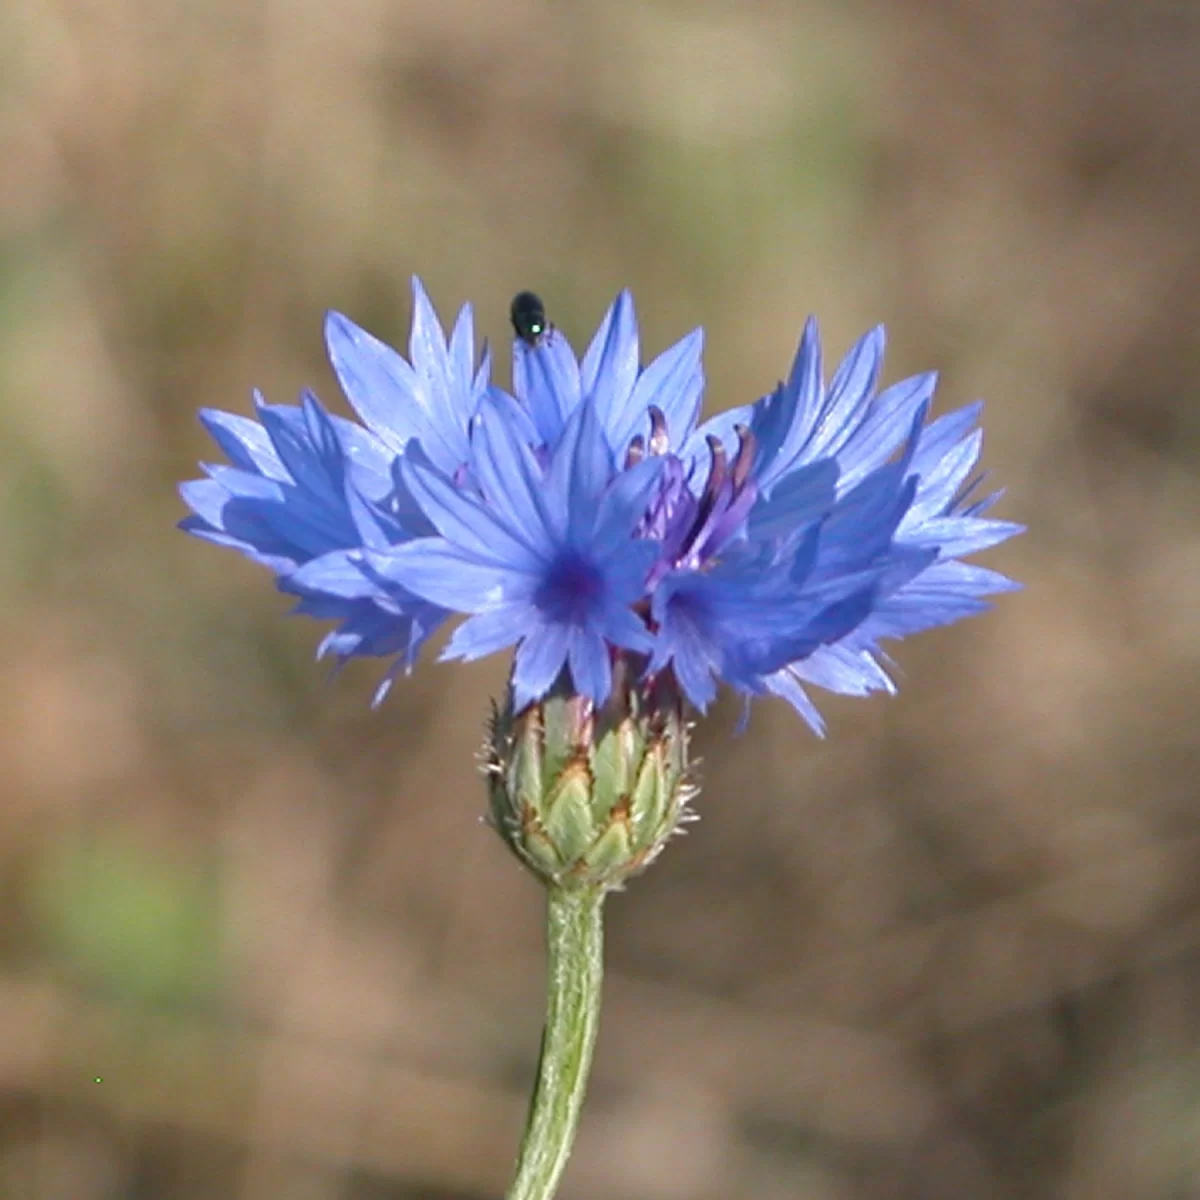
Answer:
(587, 516)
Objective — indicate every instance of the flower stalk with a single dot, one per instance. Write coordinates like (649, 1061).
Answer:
(574, 971)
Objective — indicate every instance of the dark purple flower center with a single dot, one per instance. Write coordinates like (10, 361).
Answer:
(693, 530)
(571, 590)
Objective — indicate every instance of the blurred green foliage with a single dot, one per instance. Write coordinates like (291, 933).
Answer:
(130, 925)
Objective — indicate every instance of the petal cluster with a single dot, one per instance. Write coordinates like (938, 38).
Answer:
(588, 514)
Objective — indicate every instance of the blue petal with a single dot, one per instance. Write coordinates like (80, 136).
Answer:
(275, 555)
(579, 473)
(488, 632)
(963, 535)
(610, 367)
(539, 661)
(625, 502)
(862, 524)
(512, 483)
(941, 436)
(941, 594)
(546, 378)
(395, 401)
(685, 640)
(626, 564)
(276, 519)
(515, 414)
(442, 573)
(942, 478)
(784, 685)
(622, 627)
(244, 442)
(883, 427)
(673, 383)
(784, 421)
(858, 372)
(801, 497)
(367, 458)
(465, 522)
(462, 359)
(371, 632)
(448, 390)
(337, 574)
(379, 384)
(844, 671)
(591, 667)
(208, 498)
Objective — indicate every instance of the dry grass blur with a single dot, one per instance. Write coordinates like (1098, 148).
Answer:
(254, 942)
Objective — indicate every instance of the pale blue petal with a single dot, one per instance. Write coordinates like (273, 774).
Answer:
(546, 377)
(610, 366)
(673, 383)
(244, 442)
(579, 473)
(962, 535)
(465, 522)
(883, 428)
(489, 632)
(941, 481)
(441, 573)
(512, 482)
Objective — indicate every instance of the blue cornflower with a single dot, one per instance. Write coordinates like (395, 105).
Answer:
(545, 558)
(587, 516)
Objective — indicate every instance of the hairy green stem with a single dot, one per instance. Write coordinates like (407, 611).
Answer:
(574, 971)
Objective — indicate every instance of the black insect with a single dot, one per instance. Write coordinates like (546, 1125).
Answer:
(528, 316)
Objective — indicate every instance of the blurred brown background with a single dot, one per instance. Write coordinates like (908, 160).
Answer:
(254, 941)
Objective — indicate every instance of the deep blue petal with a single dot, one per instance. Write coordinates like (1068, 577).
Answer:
(803, 496)
(539, 661)
(591, 667)
(784, 421)
(624, 628)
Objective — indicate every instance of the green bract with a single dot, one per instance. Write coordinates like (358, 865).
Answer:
(587, 797)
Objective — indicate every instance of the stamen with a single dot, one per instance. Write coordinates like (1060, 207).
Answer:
(716, 476)
(636, 451)
(712, 489)
(743, 462)
(659, 441)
